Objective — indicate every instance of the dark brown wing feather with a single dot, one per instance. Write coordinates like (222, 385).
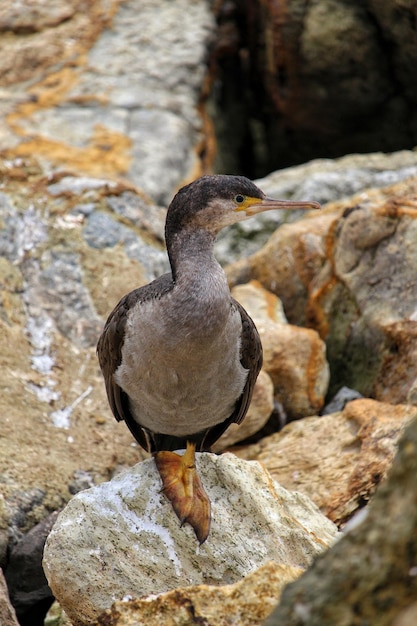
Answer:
(251, 359)
(109, 350)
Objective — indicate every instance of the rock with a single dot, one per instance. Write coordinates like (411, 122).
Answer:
(288, 263)
(28, 588)
(322, 180)
(318, 94)
(337, 460)
(247, 602)
(260, 410)
(339, 401)
(348, 272)
(294, 358)
(369, 576)
(7, 613)
(127, 527)
(89, 92)
(58, 280)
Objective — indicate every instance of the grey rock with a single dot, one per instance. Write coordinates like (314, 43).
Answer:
(338, 402)
(140, 212)
(123, 538)
(28, 588)
(102, 231)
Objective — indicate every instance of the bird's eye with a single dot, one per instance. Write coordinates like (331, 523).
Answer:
(239, 198)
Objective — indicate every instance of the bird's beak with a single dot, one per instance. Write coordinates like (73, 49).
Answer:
(253, 206)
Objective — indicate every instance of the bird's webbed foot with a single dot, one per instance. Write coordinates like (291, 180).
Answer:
(182, 486)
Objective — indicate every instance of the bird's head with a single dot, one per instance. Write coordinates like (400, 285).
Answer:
(212, 202)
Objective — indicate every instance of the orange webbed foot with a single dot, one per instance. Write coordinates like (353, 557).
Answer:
(182, 486)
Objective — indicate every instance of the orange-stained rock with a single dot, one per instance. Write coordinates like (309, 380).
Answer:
(294, 358)
(338, 459)
(247, 602)
(288, 263)
(349, 273)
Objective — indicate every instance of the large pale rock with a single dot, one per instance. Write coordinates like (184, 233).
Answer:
(337, 459)
(123, 537)
(294, 357)
(247, 602)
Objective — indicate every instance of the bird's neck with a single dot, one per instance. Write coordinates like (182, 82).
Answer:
(200, 282)
(191, 253)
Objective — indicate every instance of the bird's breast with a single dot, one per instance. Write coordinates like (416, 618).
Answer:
(181, 370)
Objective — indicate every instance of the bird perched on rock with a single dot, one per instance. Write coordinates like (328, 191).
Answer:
(180, 356)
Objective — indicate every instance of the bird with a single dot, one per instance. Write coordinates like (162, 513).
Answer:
(180, 356)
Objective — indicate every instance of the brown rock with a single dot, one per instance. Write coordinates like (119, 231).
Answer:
(295, 358)
(7, 613)
(247, 602)
(338, 459)
(369, 576)
(349, 272)
(288, 263)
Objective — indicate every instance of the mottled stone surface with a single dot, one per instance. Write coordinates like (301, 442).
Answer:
(123, 537)
(349, 272)
(337, 459)
(247, 602)
(89, 91)
(369, 576)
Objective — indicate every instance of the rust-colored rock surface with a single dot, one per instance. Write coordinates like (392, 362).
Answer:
(338, 459)
(294, 357)
(247, 603)
(349, 273)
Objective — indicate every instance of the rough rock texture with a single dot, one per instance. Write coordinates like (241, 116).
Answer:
(123, 537)
(322, 78)
(369, 576)
(90, 91)
(349, 272)
(294, 357)
(70, 247)
(7, 613)
(337, 459)
(247, 602)
(322, 180)
(28, 588)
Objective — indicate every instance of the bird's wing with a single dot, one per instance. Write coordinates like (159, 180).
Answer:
(251, 357)
(109, 350)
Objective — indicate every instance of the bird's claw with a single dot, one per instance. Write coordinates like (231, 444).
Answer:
(182, 486)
